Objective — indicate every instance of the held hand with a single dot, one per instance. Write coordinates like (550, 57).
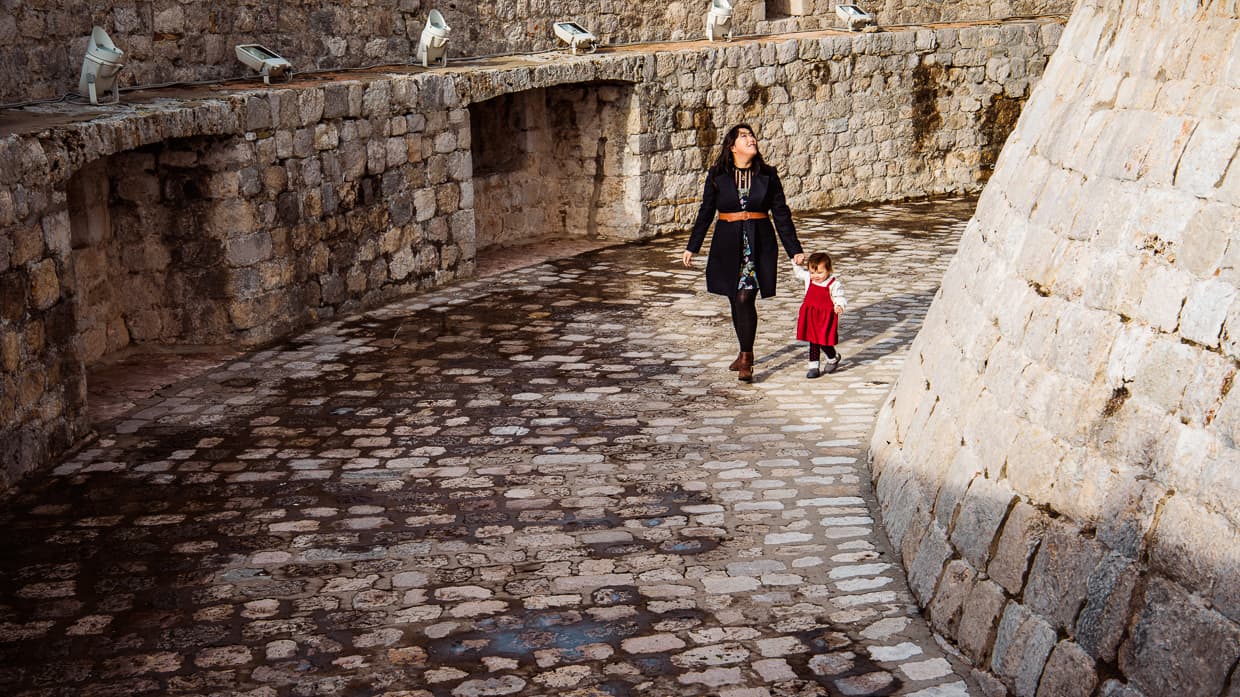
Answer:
(687, 258)
(798, 258)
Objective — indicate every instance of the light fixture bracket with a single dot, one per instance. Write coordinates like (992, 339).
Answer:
(718, 18)
(433, 43)
(854, 17)
(100, 66)
(268, 63)
(575, 35)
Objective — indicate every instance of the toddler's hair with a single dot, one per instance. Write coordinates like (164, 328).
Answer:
(818, 259)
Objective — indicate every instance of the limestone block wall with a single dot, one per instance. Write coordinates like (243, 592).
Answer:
(229, 220)
(553, 163)
(239, 217)
(179, 40)
(801, 15)
(1058, 461)
(42, 43)
(845, 118)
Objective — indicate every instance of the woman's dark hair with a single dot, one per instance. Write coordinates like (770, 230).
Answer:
(723, 163)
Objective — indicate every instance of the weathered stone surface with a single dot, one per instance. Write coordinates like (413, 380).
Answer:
(1131, 506)
(988, 683)
(1058, 579)
(1069, 672)
(1108, 596)
(950, 596)
(1178, 646)
(1022, 645)
(977, 524)
(1022, 532)
(1200, 549)
(44, 284)
(1084, 350)
(1115, 688)
(927, 565)
(979, 620)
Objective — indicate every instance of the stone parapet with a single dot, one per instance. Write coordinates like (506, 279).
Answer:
(1061, 445)
(42, 44)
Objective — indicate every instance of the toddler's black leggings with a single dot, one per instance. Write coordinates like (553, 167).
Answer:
(815, 348)
(745, 317)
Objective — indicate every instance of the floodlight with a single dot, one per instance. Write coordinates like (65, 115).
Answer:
(99, 68)
(433, 46)
(854, 17)
(575, 35)
(264, 60)
(718, 18)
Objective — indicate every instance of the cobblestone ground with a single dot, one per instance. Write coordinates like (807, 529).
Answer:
(544, 482)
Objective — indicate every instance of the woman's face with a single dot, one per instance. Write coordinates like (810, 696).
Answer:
(746, 145)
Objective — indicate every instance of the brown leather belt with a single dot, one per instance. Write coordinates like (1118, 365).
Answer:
(741, 215)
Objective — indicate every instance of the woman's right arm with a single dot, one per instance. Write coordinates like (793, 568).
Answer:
(705, 216)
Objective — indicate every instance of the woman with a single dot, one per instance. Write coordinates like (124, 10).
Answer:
(747, 194)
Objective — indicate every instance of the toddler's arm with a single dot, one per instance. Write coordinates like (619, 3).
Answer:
(800, 272)
(837, 296)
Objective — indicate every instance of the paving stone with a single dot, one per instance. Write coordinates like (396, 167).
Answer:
(927, 670)
(504, 685)
(885, 628)
(898, 652)
(832, 664)
(545, 482)
(865, 684)
(774, 670)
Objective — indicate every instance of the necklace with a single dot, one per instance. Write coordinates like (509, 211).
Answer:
(744, 178)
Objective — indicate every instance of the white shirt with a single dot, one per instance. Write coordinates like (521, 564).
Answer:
(837, 290)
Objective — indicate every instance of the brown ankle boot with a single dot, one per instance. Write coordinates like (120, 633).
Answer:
(736, 364)
(744, 371)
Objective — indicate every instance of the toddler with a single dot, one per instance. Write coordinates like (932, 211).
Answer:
(819, 318)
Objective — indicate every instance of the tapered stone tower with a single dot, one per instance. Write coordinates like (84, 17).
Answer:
(1058, 462)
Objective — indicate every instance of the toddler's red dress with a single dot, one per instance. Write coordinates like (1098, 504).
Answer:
(818, 322)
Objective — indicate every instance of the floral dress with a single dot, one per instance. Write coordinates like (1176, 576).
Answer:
(749, 274)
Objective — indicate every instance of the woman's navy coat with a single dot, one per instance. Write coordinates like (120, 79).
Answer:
(723, 265)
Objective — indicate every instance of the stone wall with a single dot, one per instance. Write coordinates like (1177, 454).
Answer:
(555, 163)
(1057, 464)
(801, 15)
(42, 43)
(238, 217)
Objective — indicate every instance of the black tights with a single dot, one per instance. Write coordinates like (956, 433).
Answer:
(745, 317)
(815, 348)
